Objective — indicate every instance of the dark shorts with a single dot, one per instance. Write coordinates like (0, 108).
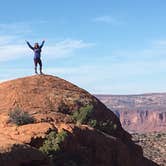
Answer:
(37, 61)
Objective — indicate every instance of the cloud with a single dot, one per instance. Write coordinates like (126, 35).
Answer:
(15, 28)
(105, 76)
(20, 28)
(122, 72)
(159, 43)
(107, 20)
(85, 76)
(11, 52)
(65, 48)
(14, 47)
(6, 39)
(156, 50)
(78, 70)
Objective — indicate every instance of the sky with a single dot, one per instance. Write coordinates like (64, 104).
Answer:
(103, 46)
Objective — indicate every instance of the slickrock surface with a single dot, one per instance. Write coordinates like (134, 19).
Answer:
(52, 101)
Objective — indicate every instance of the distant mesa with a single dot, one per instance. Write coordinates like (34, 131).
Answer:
(139, 113)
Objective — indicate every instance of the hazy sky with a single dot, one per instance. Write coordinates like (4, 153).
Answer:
(103, 46)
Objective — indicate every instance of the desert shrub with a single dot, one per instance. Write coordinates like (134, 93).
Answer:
(92, 123)
(54, 149)
(115, 126)
(63, 108)
(82, 115)
(52, 144)
(19, 117)
(106, 126)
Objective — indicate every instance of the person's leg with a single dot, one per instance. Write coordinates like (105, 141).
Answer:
(35, 63)
(40, 64)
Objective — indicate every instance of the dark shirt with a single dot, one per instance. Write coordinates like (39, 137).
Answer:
(37, 51)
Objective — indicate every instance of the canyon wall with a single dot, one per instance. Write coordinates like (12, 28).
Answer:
(138, 113)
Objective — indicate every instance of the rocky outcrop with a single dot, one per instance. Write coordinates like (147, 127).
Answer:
(17, 144)
(138, 113)
(51, 99)
(22, 155)
(143, 121)
(52, 102)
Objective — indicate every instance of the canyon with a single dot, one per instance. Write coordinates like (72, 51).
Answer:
(138, 113)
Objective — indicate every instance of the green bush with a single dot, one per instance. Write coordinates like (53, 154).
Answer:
(52, 144)
(82, 115)
(19, 117)
(92, 123)
(63, 108)
(53, 148)
(106, 125)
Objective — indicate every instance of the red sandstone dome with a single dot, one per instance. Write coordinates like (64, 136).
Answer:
(52, 101)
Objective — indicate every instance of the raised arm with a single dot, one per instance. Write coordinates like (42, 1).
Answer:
(29, 45)
(42, 44)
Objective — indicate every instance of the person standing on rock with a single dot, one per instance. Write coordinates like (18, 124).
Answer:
(37, 54)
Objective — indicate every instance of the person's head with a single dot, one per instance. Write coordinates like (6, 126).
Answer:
(36, 45)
